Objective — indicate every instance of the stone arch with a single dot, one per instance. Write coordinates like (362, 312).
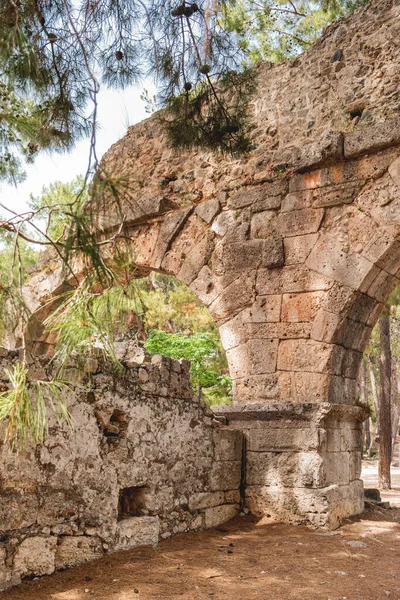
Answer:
(293, 248)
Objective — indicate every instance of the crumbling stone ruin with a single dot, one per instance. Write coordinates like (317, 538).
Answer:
(293, 248)
(143, 461)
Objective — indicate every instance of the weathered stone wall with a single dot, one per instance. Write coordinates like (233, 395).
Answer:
(294, 248)
(141, 431)
(303, 461)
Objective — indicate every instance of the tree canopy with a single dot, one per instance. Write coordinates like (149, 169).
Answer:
(55, 55)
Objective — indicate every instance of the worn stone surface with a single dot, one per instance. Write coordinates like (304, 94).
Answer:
(298, 232)
(294, 248)
(303, 461)
(35, 556)
(143, 461)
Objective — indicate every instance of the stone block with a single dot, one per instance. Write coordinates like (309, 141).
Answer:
(372, 139)
(310, 387)
(300, 307)
(311, 356)
(224, 223)
(256, 388)
(384, 250)
(195, 260)
(262, 355)
(263, 225)
(238, 361)
(333, 437)
(362, 308)
(339, 299)
(382, 286)
(265, 309)
(329, 258)
(278, 330)
(227, 444)
(250, 196)
(351, 363)
(350, 439)
(208, 210)
(328, 149)
(225, 475)
(35, 556)
(297, 201)
(171, 225)
(272, 251)
(298, 248)
(321, 508)
(298, 469)
(355, 335)
(300, 222)
(137, 531)
(237, 257)
(73, 551)
(355, 465)
(232, 332)
(335, 468)
(204, 286)
(219, 514)
(327, 327)
(287, 469)
(336, 195)
(205, 500)
(342, 390)
(239, 294)
(282, 440)
(288, 280)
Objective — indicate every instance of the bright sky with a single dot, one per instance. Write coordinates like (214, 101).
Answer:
(117, 110)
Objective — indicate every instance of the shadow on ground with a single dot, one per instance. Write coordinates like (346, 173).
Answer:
(245, 559)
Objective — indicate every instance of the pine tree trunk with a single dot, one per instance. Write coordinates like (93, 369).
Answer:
(371, 440)
(374, 389)
(364, 402)
(395, 335)
(385, 421)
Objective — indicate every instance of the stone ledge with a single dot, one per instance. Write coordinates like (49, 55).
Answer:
(365, 141)
(289, 410)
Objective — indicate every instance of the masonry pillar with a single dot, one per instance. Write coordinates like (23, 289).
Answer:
(303, 461)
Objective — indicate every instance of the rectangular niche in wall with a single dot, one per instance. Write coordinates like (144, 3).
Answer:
(132, 502)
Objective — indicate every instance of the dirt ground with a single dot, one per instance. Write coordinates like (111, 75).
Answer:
(247, 559)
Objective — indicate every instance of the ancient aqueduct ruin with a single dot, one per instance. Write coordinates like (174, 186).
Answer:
(294, 249)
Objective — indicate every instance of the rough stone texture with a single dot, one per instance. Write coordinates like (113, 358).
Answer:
(294, 248)
(303, 461)
(278, 235)
(35, 556)
(140, 430)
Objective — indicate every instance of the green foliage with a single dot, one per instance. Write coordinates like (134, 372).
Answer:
(55, 203)
(281, 29)
(55, 55)
(173, 307)
(25, 408)
(210, 116)
(16, 259)
(89, 318)
(199, 348)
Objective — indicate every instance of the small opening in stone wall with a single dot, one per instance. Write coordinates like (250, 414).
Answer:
(357, 112)
(132, 502)
(114, 426)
